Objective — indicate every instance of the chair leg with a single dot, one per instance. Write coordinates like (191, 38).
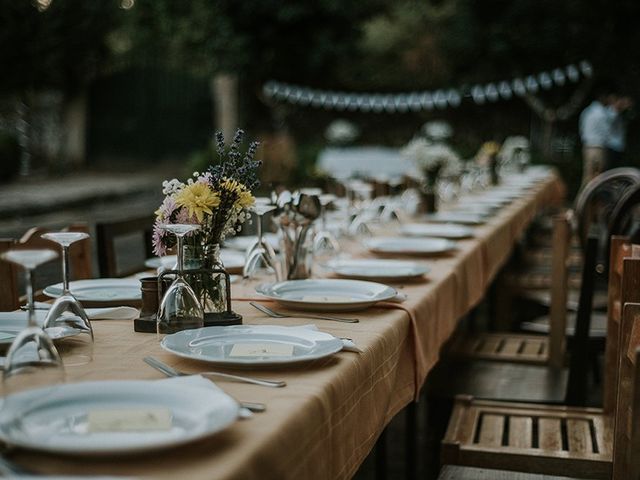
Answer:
(411, 440)
(380, 453)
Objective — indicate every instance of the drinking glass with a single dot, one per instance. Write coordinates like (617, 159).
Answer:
(180, 308)
(32, 360)
(325, 244)
(261, 259)
(67, 314)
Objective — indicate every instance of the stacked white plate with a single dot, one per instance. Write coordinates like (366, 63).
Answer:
(70, 418)
(252, 345)
(443, 230)
(327, 294)
(100, 290)
(410, 246)
(376, 269)
(462, 218)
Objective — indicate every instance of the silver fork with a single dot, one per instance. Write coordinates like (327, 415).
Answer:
(274, 314)
(172, 372)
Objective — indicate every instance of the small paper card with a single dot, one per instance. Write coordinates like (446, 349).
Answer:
(326, 299)
(129, 420)
(261, 350)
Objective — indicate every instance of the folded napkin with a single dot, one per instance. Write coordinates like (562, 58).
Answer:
(347, 344)
(111, 313)
(201, 382)
(106, 313)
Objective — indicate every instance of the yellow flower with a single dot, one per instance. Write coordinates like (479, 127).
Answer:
(244, 198)
(490, 148)
(198, 199)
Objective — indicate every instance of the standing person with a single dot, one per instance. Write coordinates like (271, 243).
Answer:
(595, 127)
(617, 141)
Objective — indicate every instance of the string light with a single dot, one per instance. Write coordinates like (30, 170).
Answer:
(426, 100)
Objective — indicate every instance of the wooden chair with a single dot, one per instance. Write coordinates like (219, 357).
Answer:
(553, 440)
(623, 219)
(531, 349)
(80, 262)
(459, 472)
(124, 241)
(593, 206)
(519, 381)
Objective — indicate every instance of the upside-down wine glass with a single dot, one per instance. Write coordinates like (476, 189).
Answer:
(180, 308)
(67, 314)
(32, 360)
(261, 259)
(325, 244)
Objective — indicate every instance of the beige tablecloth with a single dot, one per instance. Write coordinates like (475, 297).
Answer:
(327, 419)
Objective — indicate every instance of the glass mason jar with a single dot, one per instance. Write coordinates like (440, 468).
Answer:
(209, 288)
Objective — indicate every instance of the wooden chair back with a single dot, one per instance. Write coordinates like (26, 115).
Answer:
(620, 248)
(625, 219)
(626, 464)
(596, 201)
(559, 289)
(136, 234)
(576, 393)
(80, 261)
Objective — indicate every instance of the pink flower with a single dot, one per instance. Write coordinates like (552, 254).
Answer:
(157, 240)
(166, 209)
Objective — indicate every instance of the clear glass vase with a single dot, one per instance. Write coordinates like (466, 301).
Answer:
(211, 289)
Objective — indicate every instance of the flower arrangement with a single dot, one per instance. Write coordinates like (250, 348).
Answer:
(341, 132)
(487, 152)
(432, 158)
(217, 199)
(515, 150)
(437, 130)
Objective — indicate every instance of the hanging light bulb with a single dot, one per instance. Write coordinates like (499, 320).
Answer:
(42, 5)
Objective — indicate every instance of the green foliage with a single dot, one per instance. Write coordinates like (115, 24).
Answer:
(60, 47)
(287, 39)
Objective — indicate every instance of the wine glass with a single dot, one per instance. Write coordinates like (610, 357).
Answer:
(325, 244)
(32, 360)
(180, 308)
(66, 316)
(261, 258)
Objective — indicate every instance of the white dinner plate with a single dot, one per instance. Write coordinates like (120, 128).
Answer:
(376, 269)
(243, 242)
(410, 246)
(485, 210)
(100, 290)
(231, 259)
(443, 230)
(462, 218)
(327, 294)
(12, 323)
(56, 419)
(255, 345)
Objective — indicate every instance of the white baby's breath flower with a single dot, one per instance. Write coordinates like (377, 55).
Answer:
(428, 156)
(169, 187)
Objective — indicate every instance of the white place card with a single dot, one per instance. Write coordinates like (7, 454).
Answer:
(327, 299)
(130, 420)
(261, 350)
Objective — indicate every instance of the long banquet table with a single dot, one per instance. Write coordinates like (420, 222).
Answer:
(327, 419)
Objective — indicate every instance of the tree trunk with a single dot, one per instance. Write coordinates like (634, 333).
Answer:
(75, 120)
(224, 88)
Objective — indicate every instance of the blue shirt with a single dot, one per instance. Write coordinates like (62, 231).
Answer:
(595, 125)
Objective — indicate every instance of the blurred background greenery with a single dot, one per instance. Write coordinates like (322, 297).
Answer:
(130, 83)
